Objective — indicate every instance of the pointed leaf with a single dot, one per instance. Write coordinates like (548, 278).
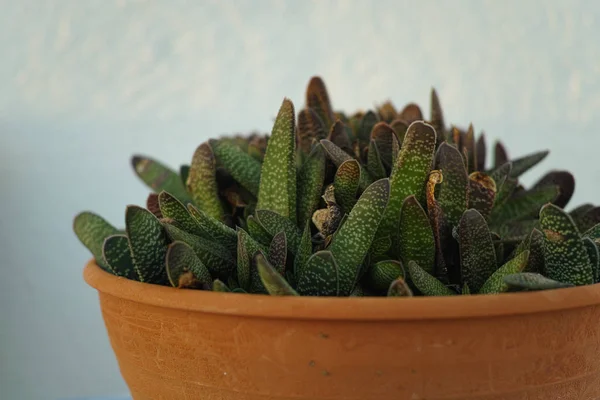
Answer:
(565, 182)
(338, 156)
(91, 230)
(454, 189)
(257, 231)
(566, 257)
(352, 241)
(480, 150)
(437, 117)
(477, 252)
(496, 284)
(317, 98)
(523, 164)
(214, 256)
(212, 229)
(247, 273)
(272, 280)
(346, 181)
(242, 166)
(148, 243)
(399, 288)
(482, 193)
(500, 155)
(303, 252)
(374, 162)
(410, 172)
(117, 256)
(159, 177)
(184, 268)
(386, 142)
(202, 182)
(523, 205)
(310, 128)
(426, 283)
(277, 191)
(593, 233)
(310, 183)
(532, 281)
(320, 276)
(173, 209)
(383, 273)
(278, 252)
(275, 223)
(416, 241)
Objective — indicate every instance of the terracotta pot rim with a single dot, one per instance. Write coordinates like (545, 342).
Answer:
(341, 308)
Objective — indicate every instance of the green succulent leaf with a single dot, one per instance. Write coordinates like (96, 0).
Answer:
(594, 255)
(466, 290)
(213, 229)
(310, 183)
(367, 123)
(453, 191)
(257, 231)
(532, 281)
(410, 172)
(534, 242)
(374, 162)
(525, 163)
(352, 241)
(159, 177)
(220, 286)
(184, 172)
(338, 156)
(416, 241)
(565, 254)
(202, 182)
(495, 283)
(216, 257)
(383, 273)
(386, 142)
(304, 251)
(278, 252)
(117, 256)
(173, 209)
(246, 252)
(427, 284)
(477, 252)
(148, 243)
(588, 219)
(184, 268)
(271, 278)
(275, 223)
(524, 204)
(241, 165)
(346, 182)
(320, 276)
(91, 230)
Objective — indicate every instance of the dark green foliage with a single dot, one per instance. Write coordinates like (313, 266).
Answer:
(339, 204)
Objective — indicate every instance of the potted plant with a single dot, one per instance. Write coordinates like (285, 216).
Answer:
(399, 262)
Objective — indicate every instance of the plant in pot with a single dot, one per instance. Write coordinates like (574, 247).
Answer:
(399, 262)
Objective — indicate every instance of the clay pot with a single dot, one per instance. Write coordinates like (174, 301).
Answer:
(187, 344)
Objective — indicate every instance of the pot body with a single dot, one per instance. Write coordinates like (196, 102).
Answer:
(183, 344)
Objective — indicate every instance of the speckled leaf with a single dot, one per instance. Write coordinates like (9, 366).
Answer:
(565, 254)
(593, 233)
(400, 127)
(524, 204)
(501, 173)
(374, 162)
(304, 250)
(416, 241)
(410, 172)
(278, 252)
(216, 257)
(148, 243)
(346, 181)
(383, 273)
(159, 177)
(535, 244)
(184, 268)
(588, 219)
(426, 283)
(242, 166)
(275, 223)
(91, 230)
(565, 182)
(317, 98)
(495, 283)
(352, 241)
(482, 193)
(338, 156)
(499, 247)
(477, 252)
(399, 288)
(523, 164)
(213, 229)
(437, 117)
(532, 281)
(453, 191)
(320, 276)
(411, 113)
(368, 121)
(310, 183)
(594, 256)
(338, 135)
(117, 256)
(386, 142)
(271, 278)
(277, 191)
(173, 209)
(202, 182)
(257, 231)
(247, 273)
(153, 206)
(380, 246)
(481, 150)
(310, 128)
(500, 155)
(505, 192)
(220, 286)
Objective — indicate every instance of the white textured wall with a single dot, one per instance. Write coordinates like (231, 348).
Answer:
(84, 84)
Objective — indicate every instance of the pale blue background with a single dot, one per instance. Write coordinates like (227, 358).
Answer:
(84, 84)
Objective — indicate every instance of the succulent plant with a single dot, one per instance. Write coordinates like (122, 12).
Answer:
(377, 203)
